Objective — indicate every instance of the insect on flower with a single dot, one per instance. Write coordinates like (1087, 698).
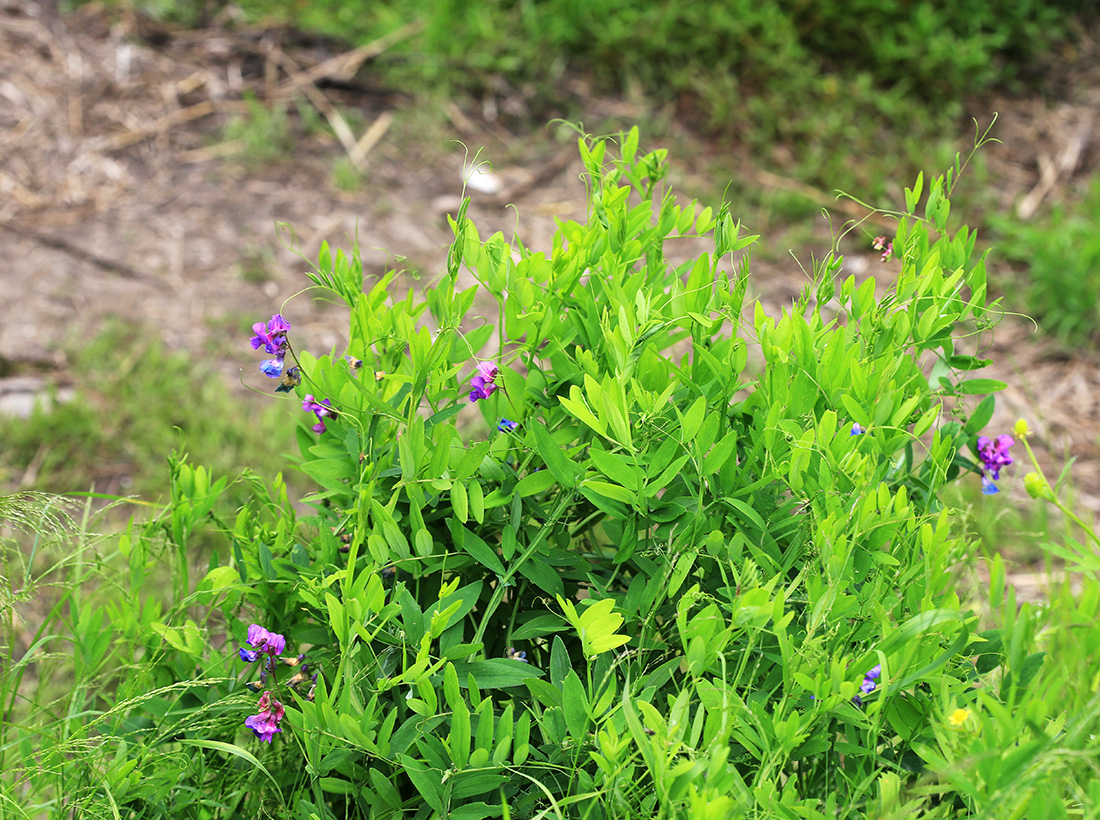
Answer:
(291, 379)
(354, 364)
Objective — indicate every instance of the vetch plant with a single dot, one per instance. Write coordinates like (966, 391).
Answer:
(695, 547)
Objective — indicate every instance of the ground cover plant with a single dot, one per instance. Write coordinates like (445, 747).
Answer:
(591, 538)
(1061, 283)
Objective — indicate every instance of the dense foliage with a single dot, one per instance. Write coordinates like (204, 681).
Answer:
(611, 550)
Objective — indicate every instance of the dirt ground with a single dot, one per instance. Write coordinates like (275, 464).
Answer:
(121, 195)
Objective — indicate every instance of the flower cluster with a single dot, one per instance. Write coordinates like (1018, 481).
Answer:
(483, 383)
(994, 456)
(869, 683)
(266, 723)
(884, 245)
(322, 409)
(266, 647)
(272, 338)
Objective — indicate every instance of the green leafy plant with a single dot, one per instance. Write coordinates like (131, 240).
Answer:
(593, 538)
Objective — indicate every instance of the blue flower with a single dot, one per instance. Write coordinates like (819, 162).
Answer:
(856, 429)
(506, 426)
(869, 683)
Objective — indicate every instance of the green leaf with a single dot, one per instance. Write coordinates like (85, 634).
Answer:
(428, 781)
(617, 468)
(535, 483)
(476, 810)
(575, 705)
(564, 470)
(693, 419)
(460, 502)
(981, 415)
(973, 387)
(537, 627)
(497, 673)
(476, 547)
(576, 406)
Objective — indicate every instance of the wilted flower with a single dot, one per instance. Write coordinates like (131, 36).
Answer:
(994, 456)
(869, 683)
(506, 426)
(322, 409)
(512, 655)
(266, 723)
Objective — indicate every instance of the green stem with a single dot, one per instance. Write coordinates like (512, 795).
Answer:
(502, 583)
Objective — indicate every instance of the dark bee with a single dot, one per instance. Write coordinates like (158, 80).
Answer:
(353, 363)
(292, 377)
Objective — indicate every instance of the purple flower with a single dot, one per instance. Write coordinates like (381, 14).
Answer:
(488, 371)
(856, 429)
(506, 426)
(262, 643)
(994, 456)
(322, 409)
(483, 383)
(272, 336)
(266, 723)
(869, 684)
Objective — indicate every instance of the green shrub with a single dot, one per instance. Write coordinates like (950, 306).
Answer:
(579, 558)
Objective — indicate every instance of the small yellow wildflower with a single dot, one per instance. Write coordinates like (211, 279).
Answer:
(1021, 429)
(958, 717)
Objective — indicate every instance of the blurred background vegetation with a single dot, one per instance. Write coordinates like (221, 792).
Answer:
(854, 95)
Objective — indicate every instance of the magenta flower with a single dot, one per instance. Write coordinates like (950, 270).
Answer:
(322, 409)
(265, 724)
(882, 244)
(483, 383)
(994, 456)
(263, 643)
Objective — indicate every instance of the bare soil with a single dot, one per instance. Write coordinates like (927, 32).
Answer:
(120, 195)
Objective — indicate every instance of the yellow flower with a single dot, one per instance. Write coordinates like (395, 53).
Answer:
(1021, 429)
(958, 717)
